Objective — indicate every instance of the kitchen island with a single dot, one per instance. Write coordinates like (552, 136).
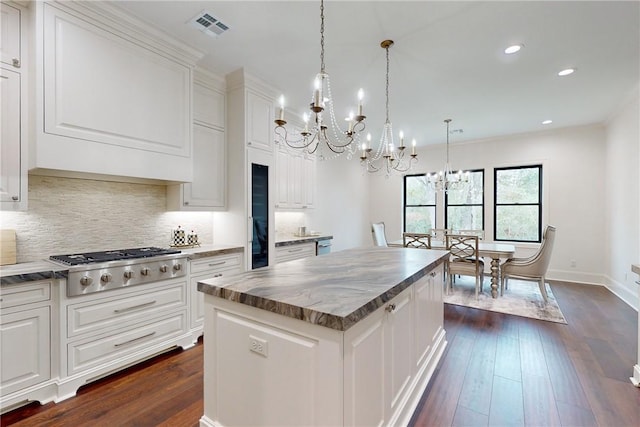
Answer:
(349, 338)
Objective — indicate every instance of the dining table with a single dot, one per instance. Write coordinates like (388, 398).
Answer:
(495, 251)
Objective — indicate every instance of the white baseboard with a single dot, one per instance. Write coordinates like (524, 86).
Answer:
(576, 277)
(622, 291)
(635, 379)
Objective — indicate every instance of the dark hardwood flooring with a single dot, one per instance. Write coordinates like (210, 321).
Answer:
(498, 370)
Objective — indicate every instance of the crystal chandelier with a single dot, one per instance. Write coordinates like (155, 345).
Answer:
(323, 130)
(446, 179)
(386, 157)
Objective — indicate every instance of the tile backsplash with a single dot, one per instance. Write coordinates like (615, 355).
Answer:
(68, 215)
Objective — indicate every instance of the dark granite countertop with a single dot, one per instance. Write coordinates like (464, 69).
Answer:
(42, 270)
(296, 240)
(335, 290)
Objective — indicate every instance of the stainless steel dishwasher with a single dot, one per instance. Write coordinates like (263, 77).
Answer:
(323, 247)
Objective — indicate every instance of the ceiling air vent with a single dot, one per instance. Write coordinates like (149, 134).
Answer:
(208, 24)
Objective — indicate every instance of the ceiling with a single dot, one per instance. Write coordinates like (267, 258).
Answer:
(447, 61)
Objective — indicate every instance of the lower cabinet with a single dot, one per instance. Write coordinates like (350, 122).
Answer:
(104, 332)
(207, 268)
(296, 251)
(25, 344)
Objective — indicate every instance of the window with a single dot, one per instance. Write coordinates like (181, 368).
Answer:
(419, 204)
(518, 203)
(464, 205)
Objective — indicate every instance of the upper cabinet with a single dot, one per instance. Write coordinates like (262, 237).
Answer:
(207, 192)
(295, 178)
(259, 121)
(10, 40)
(13, 110)
(112, 96)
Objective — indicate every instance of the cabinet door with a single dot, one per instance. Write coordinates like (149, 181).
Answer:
(429, 314)
(208, 107)
(296, 180)
(25, 349)
(10, 35)
(399, 333)
(282, 178)
(208, 188)
(10, 161)
(260, 122)
(309, 181)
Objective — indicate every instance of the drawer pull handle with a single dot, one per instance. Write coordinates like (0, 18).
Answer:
(217, 275)
(122, 310)
(135, 339)
(295, 250)
(213, 264)
(637, 282)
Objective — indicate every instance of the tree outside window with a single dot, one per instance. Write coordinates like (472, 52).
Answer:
(518, 203)
(419, 204)
(465, 204)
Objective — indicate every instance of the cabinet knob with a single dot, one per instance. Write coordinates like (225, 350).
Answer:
(15, 198)
(186, 203)
(390, 308)
(16, 62)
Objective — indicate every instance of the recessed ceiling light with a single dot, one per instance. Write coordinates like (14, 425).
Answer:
(513, 49)
(547, 122)
(566, 72)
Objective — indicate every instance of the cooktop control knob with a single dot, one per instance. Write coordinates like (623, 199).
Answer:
(177, 267)
(128, 274)
(106, 278)
(86, 280)
(164, 268)
(145, 271)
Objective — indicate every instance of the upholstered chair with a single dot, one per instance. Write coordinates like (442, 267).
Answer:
(531, 268)
(378, 234)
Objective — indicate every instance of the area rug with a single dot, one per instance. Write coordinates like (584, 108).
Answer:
(522, 298)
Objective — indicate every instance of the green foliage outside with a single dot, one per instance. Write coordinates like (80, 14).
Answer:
(519, 191)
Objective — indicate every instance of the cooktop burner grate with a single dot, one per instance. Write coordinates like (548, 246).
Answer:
(114, 255)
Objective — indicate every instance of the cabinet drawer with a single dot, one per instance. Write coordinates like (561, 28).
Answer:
(14, 295)
(87, 354)
(289, 253)
(98, 314)
(216, 263)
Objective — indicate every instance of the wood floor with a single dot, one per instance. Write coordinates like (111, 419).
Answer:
(498, 370)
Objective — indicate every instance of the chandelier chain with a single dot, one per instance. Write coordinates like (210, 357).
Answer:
(387, 86)
(322, 36)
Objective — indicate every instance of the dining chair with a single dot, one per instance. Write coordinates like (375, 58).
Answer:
(474, 232)
(378, 234)
(531, 268)
(464, 259)
(439, 233)
(416, 240)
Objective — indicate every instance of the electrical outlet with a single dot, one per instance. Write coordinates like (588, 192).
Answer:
(258, 345)
(573, 263)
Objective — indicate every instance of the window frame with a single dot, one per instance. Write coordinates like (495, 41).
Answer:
(446, 201)
(404, 201)
(496, 204)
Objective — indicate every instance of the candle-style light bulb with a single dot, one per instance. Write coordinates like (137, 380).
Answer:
(413, 146)
(350, 121)
(281, 107)
(305, 119)
(360, 98)
(316, 92)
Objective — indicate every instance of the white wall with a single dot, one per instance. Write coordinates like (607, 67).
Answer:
(342, 203)
(622, 201)
(573, 191)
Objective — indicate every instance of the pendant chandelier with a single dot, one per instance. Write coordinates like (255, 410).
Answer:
(386, 157)
(446, 179)
(321, 128)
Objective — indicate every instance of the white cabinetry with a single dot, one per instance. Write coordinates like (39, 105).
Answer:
(260, 123)
(207, 192)
(296, 251)
(25, 344)
(295, 178)
(113, 97)
(207, 268)
(10, 40)
(106, 331)
(372, 374)
(13, 111)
